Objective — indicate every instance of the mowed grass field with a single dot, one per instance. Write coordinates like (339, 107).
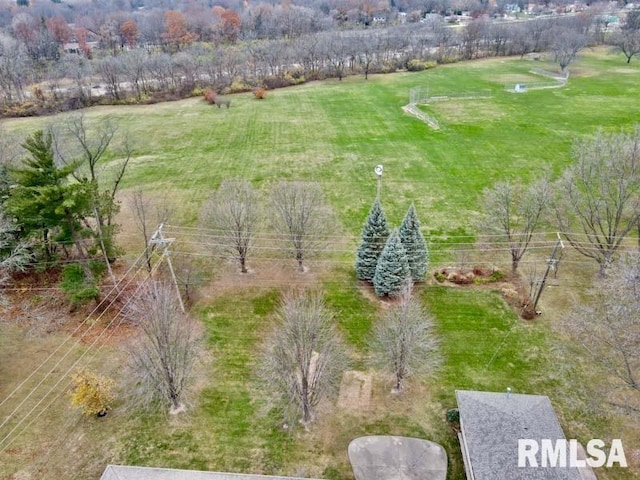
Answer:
(335, 133)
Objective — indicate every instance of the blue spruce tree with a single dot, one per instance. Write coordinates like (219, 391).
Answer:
(415, 245)
(392, 271)
(374, 236)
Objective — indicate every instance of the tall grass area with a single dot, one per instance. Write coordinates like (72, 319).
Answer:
(335, 132)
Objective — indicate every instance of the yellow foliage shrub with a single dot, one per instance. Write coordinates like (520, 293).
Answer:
(92, 392)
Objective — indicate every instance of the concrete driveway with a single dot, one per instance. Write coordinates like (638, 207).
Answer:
(382, 457)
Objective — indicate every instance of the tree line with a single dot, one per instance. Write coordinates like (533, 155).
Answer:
(36, 76)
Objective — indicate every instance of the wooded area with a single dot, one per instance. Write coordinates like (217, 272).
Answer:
(59, 56)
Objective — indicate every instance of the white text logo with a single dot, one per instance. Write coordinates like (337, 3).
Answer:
(564, 453)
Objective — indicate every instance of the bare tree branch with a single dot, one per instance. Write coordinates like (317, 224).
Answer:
(301, 217)
(403, 342)
(512, 212)
(304, 358)
(147, 215)
(80, 144)
(163, 357)
(608, 330)
(233, 212)
(600, 195)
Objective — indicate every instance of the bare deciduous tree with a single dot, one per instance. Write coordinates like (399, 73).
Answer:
(304, 358)
(511, 212)
(626, 41)
(301, 217)
(403, 342)
(164, 354)
(566, 44)
(84, 146)
(233, 212)
(599, 195)
(608, 331)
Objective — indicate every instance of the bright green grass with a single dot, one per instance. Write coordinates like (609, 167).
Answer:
(484, 347)
(335, 132)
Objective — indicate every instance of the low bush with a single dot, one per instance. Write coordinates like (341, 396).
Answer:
(416, 65)
(528, 313)
(453, 415)
(210, 96)
(238, 86)
(198, 91)
(78, 288)
(259, 93)
(278, 82)
(496, 276)
(92, 392)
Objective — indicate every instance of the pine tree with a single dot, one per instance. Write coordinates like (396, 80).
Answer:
(392, 271)
(415, 245)
(374, 235)
(44, 202)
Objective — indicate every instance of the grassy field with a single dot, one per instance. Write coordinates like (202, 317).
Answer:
(335, 133)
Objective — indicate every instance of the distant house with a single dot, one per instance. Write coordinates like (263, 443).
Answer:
(491, 425)
(72, 47)
(512, 8)
(431, 18)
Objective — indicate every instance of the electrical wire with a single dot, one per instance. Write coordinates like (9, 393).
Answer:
(100, 305)
(66, 374)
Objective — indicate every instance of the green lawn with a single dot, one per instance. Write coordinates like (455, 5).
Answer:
(484, 347)
(335, 133)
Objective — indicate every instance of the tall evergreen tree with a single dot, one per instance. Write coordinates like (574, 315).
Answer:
(374, 236)
(392, 271)
(415, 245)
(46, 205)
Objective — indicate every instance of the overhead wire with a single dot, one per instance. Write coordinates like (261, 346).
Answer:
(66, 374)
(533, 245)
(101, 304)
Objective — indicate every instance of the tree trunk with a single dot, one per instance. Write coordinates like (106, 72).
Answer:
(84, 256)
(306, 411)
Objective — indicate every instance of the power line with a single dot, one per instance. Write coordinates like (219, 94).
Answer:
(64, 375)
(73, 346)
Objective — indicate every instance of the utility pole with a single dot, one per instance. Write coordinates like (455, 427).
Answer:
(158, 239)
(550, 264)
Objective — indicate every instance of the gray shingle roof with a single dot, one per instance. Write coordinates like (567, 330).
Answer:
(491, 425)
